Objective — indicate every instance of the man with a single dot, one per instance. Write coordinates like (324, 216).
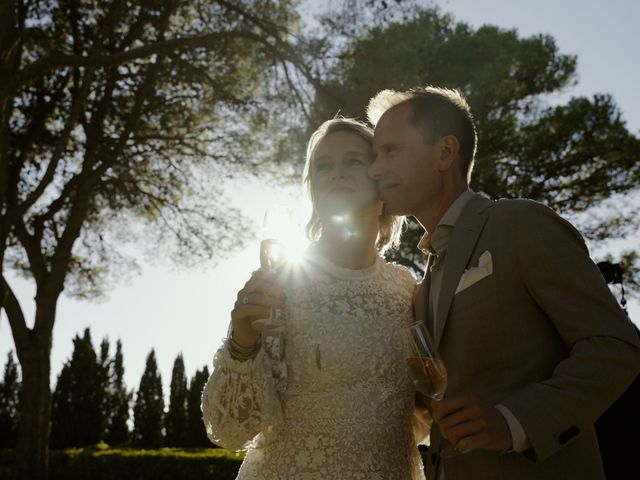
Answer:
(535, 345)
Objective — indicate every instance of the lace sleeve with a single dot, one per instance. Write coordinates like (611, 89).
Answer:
(241, 404)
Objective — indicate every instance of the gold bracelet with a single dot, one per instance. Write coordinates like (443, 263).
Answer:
(238, 352)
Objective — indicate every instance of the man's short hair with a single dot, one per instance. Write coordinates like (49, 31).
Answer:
(442, 111)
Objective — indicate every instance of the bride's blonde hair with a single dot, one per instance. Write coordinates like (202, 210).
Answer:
(390, 225)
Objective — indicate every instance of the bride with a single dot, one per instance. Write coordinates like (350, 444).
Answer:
(329, 396)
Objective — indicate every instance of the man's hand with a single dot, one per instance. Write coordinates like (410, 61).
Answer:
(469, 425)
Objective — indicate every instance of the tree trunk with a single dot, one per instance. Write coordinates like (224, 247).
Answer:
(32, 451)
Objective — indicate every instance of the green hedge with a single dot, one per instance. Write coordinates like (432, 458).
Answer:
(103, 463)
(122, 464)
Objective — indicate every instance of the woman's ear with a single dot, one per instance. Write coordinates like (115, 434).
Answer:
(448, 148)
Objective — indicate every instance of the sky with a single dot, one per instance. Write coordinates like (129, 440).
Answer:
(175, 311)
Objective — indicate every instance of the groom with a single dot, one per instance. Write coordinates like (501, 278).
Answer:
(535, 345)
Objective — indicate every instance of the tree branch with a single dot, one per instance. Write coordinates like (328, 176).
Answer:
(12, 308)
(57, 59)
(31, 245)
(61, 145)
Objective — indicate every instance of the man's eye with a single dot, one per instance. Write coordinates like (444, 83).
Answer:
(356, 161)
(321, 167)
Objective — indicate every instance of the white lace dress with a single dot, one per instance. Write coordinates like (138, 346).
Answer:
(331, 397)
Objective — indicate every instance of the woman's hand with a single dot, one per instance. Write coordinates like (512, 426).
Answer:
(255, 300)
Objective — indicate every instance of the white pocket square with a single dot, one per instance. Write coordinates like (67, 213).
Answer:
(475, 274)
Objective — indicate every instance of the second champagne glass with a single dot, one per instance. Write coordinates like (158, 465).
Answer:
(425, 365)
(427, 369)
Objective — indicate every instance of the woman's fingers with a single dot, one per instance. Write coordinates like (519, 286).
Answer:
(263, 282)
(247, 313)
(260, 299)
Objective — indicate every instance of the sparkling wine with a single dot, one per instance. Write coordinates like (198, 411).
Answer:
(429, 376)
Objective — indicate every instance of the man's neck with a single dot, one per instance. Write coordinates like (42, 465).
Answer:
(433, 213)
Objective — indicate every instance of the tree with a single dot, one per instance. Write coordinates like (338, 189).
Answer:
(112, 110)
(77, 400)
(118, 430)
(196, 435)
(176, 418)
(576, 158)
(148, 411)
(104, 387)
(9, 403)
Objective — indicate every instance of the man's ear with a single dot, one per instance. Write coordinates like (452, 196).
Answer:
(448, 149)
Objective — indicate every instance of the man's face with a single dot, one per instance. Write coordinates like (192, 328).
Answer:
(406, 163)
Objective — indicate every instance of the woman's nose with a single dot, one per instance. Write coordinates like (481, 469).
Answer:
(337, 172)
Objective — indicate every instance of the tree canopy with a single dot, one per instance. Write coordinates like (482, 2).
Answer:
(574, 157)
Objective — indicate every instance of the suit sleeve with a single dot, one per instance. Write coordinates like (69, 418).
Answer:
(603, 348)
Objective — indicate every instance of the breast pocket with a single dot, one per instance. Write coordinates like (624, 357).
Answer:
(484, 292)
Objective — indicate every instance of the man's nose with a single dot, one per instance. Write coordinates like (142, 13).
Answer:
(374, 169)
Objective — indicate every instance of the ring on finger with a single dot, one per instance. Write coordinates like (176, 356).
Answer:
(245, 299)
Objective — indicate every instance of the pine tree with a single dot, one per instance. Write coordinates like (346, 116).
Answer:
(148, 411)
(196, 435)
(118, 431)
(76, 416)
(176, 418)
(9, 401)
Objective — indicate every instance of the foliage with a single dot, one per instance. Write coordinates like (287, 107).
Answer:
(104, 386)
(196, 435)
(571, 157)
(112, 111)
(176, 417)
(77, 400)
(115, 464)
(118, 430)
(9, 403)
(148, 411)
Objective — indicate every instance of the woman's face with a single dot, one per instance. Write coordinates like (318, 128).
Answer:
(340, 183)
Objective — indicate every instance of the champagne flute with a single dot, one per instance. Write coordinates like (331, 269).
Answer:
(425, 365)
(277, 220)
(427, 369)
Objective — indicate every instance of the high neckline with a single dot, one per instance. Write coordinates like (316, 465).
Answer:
(342, 272)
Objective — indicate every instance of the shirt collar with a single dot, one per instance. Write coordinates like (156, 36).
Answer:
(450, 217)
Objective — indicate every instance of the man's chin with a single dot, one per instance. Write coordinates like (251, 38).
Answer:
(390, 208)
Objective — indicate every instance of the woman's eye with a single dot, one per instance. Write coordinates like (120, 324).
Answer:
(356, 161)
(321, 167)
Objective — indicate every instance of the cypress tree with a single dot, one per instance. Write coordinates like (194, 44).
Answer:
(62, 428)
(105, 387)
(176, 418)
(196, 435)
(9, 402)
(118, 430)
(77, 416)
(148, 411)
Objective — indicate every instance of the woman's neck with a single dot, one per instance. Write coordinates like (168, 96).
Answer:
(350, 246)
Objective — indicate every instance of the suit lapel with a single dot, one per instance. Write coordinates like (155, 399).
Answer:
(461, 245)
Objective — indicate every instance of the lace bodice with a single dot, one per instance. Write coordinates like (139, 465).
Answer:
(331, 396)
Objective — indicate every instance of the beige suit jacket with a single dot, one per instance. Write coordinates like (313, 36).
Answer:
(541, 335)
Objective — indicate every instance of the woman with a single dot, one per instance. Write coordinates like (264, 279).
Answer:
(338, 401)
